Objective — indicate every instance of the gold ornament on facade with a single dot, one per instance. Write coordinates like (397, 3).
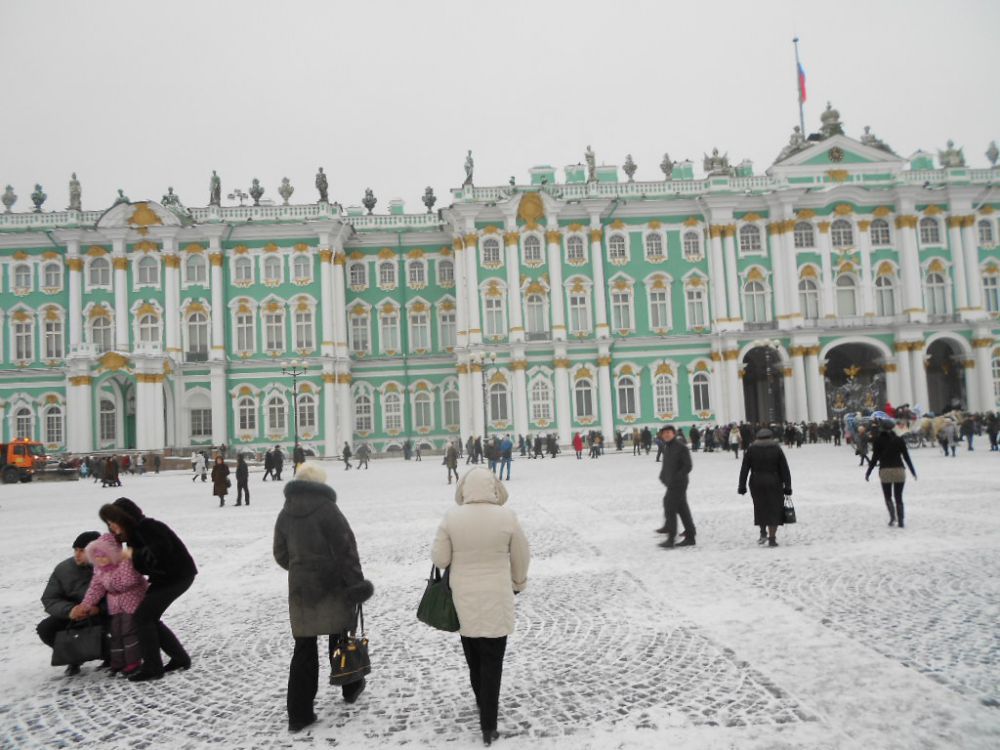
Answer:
(596, 235)
(805, 213)
(301, 247)
(885, 269)
(119, 264)
(493, 289)
(751, 217)
(621, 285)
(326, 255)
(755, 274)
(583, 373)
(936, 266)
(75, 264)
(95, 251)
(471, 241)
(498, 377)
(147, 377)
(171, 261)
(823, 227)
(418, 307)
(511, 238)
(846, 267)
(604, 361)
(215, 259)
(561, 363)
(145, 247)
(932, 210)
(618, 224)
(626, 370)
(906, 222)
(144, 217)
(664, 369)
(843, 209)
(535, 288)
(808, 272)
(463, 369)
(80, 380)
(655, 225)
(882, 211)
(490, 229)
(691, 221)
(695, 281)
(838, 175)
(730, 354)
(415, 254)
(112, 361)
(864, 225)
(388, 308)
(329, 378)
(553, 236)
(984, 343)
(344, 378)
(969, 221)
(147, 309)
(194, 248)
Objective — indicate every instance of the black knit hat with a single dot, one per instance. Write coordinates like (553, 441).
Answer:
(667, 427)
(85, 538)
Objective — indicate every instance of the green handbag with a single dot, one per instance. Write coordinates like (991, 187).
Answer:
(436, 606)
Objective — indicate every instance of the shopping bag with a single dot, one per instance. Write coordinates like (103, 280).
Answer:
(78, 643)
(436, 606)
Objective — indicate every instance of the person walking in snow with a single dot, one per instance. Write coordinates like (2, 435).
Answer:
(346, 455)
(674, 471)
(363, 454)
(578, 446)
(889, 453)
(242, 480)
(220, 479)
(770, 480)
(451, 461)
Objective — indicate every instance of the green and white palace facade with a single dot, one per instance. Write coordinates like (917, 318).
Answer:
(572, 302)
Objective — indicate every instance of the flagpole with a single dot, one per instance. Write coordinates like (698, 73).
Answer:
(798, 86)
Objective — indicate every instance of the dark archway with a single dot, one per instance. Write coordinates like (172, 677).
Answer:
(764, 385)
(945, 364)
(855, 379)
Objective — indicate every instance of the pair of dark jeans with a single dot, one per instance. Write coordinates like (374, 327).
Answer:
(241, 490)
(303, 678)
(675, 504)
(153, 634)
(485, 659)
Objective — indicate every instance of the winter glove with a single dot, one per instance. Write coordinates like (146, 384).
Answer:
(742, 490)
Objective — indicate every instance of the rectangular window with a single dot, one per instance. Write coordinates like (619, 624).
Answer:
(579, 313)
(451, 409)
(621, 310)
(393, 408)
(274, 332)
(22, 340)
(390, 332)
(53, 280)
(417, 275)
(493, 325)
(446, 273)
(359, 333)
(448, 337)
(422, 412)
(248, 415)
(695, 308)
(107, 426)
(244, 332)
(659, 310)
(54, 426)
(307, 413)
(420, 332)
(991, 293)
(304, 330)
(53, 341)
(201, 423)
(243, 271)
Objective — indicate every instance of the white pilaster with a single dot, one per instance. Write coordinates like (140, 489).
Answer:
(220, 404)
(909, 261)
(737, 410)
(600, 285)
(74, 265)
(717, 275)
(815, 387)
(557, 305)
(779, 282)
(345, 409)
(959, 277)
(476, 390)
(732, 272)
(149, 424)
(564, 418)
(983, 349)
(331, 443)
(826, 264)
(171, 298)
(120, 265)
(919, 374)
(605, 401)
(970, 251)
(792, 278)
(218, 350)
(904, 376)
(339, 313)
(461, 300)
(466, 405)
(327, 346)
(520, 393)
(800, 397)
(717, 388)
(514, 285)
(79, 413)
(472, 288)
(865, 250)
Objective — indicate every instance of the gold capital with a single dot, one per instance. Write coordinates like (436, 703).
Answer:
(604, 361)
(80, 380)
(982, 343)
(120, 264)
(553, 236)
(144, 377)
(326, 255)
(471, 240)
(339, 258)
(864, 225)
(511, 238)
(519, 364)
(730, 354)
(561, 363)
(596, 234)
(171, 261)
(905, 221)
(344, 378)
(215, 259)
(823, 226)
(75, 264)
(729, 230)
(329, 377)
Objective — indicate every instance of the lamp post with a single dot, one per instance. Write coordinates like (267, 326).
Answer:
(484, 360)
(294, 369)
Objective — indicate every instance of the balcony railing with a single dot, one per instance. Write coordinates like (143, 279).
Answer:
(196, 356)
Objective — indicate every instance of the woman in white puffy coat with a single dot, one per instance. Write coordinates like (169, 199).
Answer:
(488, 553)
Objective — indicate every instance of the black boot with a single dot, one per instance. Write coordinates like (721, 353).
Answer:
(899, 512)
(662, 530)
(489, 735)
(667, 543)
(892, 511)
(772, 542)
(762, 539)
(688, 541)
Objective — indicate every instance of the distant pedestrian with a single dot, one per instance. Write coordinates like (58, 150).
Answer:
(506, 455)
(578, 446)
(889, 453)
(279, 462)
(770, 481)
(220, 480)
(242, 480)
(363, 454)
(156, 462)
(346, 455)
(298, 457)
(674, 473)
(451, 461)
(268, 465)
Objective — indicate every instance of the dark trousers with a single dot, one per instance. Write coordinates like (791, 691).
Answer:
(268, 473)
(450, 472)
(153, 634)
(675, 504)
(241, 490)
(505, 462)
(485, 659)
(894, 491)
(303, 678)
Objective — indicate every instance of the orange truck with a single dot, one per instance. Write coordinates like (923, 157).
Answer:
(21, 459)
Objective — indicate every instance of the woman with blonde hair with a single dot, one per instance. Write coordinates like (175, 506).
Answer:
(483, 544)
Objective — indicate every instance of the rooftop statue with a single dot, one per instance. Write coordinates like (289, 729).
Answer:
(322, 186)
(215, 190)
(38, 198)
(74, 194)
(256, 191)
(429, 198)
(629, 168)
(9, 198)
(870, 139)
(951, 156)
(667, 167)
(170, 199)
(285, 190)
(796, 142)
(992, 153)
(831, 122)
(469, 165)
(591, 164)
(717, 165)
(122, 198)
(369, 200)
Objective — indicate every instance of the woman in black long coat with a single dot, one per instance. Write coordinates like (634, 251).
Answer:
(770, 481)
(220, 480)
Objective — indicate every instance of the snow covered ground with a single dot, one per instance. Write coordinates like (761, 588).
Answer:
(849, 635)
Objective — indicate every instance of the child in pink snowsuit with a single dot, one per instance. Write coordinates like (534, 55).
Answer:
(125, 588)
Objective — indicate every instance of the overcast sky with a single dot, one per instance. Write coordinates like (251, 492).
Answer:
(389, 95)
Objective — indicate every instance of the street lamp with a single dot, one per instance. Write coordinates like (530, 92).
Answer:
(484, 360)
(294, 369)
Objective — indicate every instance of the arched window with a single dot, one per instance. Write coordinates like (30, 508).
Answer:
(302, 267)
(149, 329)
(359, 274)
(24, 424)
(616, 247)
(498, 402)
(930, 231)
(879, 232)
(422, 415)
(452, 410)
(99, 273)
(541, 401)
(750, 238)
(52, 276)
(274, 330)
(22, 276)
(197, 337)
(842, 233)
(148, 270)
(809, 299)
(985, 233)
(991, 293)
(803, 234)
(663, 395)
(885, 296)
(534, 308)
(389, 329)
(446, 272)
(272, 269)
(491, 251)
(387, 274)
(654, 246)
(195, 270)
(418, 273)
(574, 249)
(307, 412)
(392, 411)
(626, 397)
(363, 413)
(532, 249)
(100, 333)
(583, 398)
(847, 296)
(700, 392)
(755, 302)
(304, 338)
(277, 420)
(108, 427)
(692, 245)
(247, 414)
(54, 425)
(936, 291)
(243, 270)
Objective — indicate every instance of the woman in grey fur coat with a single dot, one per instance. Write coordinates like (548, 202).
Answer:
(315, 544)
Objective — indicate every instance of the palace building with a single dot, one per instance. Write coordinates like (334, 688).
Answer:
(843, 277)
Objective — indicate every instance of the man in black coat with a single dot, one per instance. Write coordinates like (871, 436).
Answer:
(674, 473)
(279, 462)
(242, 480)
(268, 465)
(66, 588)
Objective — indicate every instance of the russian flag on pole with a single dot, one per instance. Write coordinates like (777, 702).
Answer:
(802, 83)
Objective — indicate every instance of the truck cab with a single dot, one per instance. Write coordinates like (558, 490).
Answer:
(21, 459)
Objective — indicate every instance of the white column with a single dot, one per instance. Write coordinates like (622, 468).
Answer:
(149, 425)
(718, 389)
(605, 401)
(171, 298)
(332, 445)
(120, 264)
(345, 410)
(792, 276)
(909, 262)
(461, 299)
(339, 312)
(893, 390)
(74, 315)
(472, 288)
(564, 419)
(779, 283)
(826, 263)
(815, 388)
(600, 285)
(865, 249)
(327, 307)
(218, 351)
(3, 421)
(905, 378)
(514, 287)
(732, 272)
(220, 403)
(800, 395)
(557, 305)
(983, 349)
(79, 414)
(717, 274)
(465, 402)
(970, 250)
(959, 277)
(737, 410)
(919, 373)
(520, 394)
(476, 390)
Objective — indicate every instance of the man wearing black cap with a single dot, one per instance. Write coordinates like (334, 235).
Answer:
(674, 474)
(66, 588)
